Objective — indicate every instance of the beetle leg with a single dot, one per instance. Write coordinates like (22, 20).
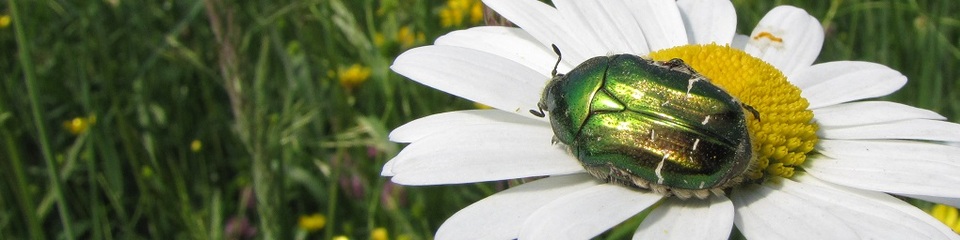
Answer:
(676, 63)
(661, 189)
(682, 194)
(601, 173)
(702, 193)
(751, 110)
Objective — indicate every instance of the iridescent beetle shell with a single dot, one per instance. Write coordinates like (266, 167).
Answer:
(649, 124)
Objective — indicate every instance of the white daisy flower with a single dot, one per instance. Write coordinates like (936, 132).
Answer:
(828, 165)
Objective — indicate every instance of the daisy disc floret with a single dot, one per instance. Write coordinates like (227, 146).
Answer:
(825, 162)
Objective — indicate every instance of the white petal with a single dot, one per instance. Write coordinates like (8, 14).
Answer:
(507, 42)
(740, 41)
(870, 112)
(482, 153)
(624, 23)
(545, 23)
(474, 75)
(831, 83)
(833, 71)
(450, 121)
(709, 21)
(917, 176)
(788, 38)
(591, 26)
(688, 219)
(920, 129)
(888, 149)
(586, 213)
(387, 170)
(868, 216)
(906, 219)
(765, 213)
(661, 23)
(502, 215)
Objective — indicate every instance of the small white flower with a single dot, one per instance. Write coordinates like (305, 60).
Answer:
(866, 151)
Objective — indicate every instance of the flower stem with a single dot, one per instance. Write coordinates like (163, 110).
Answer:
(21, 188)
(31, 81)
(332, 193)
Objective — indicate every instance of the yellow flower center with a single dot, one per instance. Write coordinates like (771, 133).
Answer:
(785, 131)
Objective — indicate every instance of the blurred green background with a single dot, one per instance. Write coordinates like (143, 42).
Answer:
(212, 119)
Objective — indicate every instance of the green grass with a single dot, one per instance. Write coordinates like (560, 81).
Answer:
(256, 83)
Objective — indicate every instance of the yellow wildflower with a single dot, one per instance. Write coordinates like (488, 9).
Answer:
(379, 40)
(313, 222)
(476, 13)
(196, 145)
(450, 17)
(353, 76)
(79, 125)
(341, 237)
(379, 234)
(405, 36)
(408, 38)
(4, 21)
(948, 215)
(453, 13)
(146, 172)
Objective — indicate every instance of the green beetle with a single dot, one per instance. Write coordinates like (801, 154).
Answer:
(649, 124)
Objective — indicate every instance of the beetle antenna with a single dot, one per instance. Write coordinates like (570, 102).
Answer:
(539, 113)
(559, 56)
